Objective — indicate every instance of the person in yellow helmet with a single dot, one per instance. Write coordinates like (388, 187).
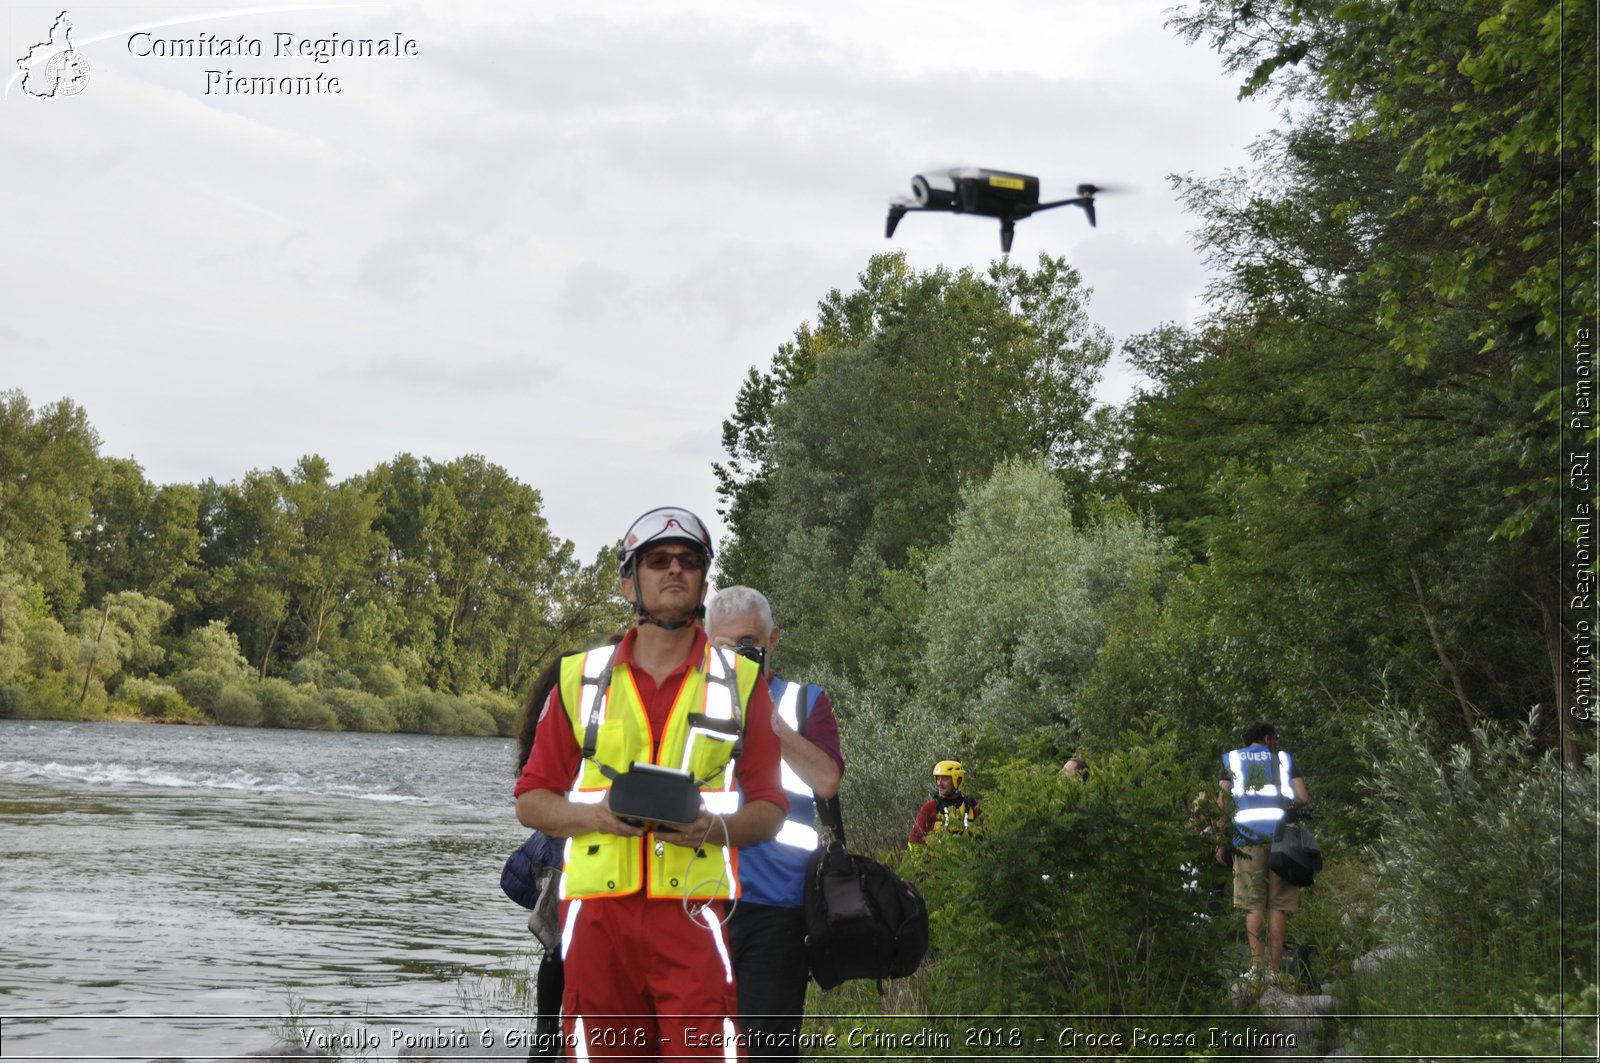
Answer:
(949, 809)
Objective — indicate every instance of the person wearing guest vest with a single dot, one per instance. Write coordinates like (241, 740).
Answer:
(643, 940)
(768, 929)
(1259, 783)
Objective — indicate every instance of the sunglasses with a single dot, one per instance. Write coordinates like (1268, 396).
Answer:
(661, 560)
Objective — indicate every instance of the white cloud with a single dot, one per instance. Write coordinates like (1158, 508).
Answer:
(559, 236)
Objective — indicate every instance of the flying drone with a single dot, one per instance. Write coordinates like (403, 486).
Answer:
(992, 193)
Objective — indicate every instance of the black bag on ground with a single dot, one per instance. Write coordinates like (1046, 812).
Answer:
(1297, 964)
(1295, 855)
(862, 919)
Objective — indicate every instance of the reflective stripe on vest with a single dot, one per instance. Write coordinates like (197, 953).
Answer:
(949, 821)
(700, 735)
(1258, 796)
(796, 832)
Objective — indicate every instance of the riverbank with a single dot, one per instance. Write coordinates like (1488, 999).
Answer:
(337, 704)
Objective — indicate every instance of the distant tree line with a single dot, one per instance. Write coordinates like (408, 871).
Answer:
(419, 596)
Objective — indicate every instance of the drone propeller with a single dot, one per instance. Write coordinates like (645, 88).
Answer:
(1085, 199)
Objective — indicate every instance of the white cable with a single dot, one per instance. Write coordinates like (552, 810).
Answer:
(692, 910)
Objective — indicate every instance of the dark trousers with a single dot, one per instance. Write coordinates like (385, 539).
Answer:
(770, 972)
(547, 1046)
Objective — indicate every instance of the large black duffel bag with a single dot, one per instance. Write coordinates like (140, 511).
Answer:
(862, 919)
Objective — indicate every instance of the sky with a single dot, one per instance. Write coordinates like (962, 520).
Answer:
(555, 235)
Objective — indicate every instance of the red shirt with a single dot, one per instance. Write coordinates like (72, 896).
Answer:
(556, 758)
(928, 815)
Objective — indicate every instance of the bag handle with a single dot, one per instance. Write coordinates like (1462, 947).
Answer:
(830, 816)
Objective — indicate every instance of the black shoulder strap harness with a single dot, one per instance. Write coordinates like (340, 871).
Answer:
(596, 688)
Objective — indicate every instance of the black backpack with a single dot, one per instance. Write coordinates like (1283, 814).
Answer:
(1295, 854)
(862, 919)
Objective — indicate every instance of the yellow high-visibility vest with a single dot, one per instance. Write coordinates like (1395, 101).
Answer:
(701, 737)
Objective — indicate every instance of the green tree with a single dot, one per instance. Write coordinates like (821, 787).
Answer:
(22, 604)
(477, 586)
(844, 321)
(247, 553)
(1491, 104)
(285, 554)
(48, 464)
(1345, 491)
(849, 455)
(121, 633)
(1427, 214)
(140, 537)
(577, 605)
(1015, 615)
(336, 551)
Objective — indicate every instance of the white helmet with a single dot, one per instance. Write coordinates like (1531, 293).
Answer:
(667, 524)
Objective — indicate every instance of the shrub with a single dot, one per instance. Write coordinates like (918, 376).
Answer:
(468, 717)
(317, 714)
(357, 710)
(56, 697)
(13, 656)
(1336, 916)
(310, 670)
(85, 701)
(503, 713)
(279, 703)
(1477, 847)
(284, 704)
(384, 680)
(49, 647)
(14, 700)
(1079, 897)
(155, 700)
(236, 706)
(199, 688)
(427, 712)
(889, 749)
(212, 649)
(342, 679)
(1567, 1029)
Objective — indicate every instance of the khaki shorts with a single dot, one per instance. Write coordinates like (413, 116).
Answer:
(1256, 889)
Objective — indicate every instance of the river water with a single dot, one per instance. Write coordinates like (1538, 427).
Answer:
(207, 892)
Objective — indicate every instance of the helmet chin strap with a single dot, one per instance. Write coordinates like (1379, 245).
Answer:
(647, 617)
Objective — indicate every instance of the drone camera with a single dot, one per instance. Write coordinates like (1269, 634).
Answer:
(928, 195)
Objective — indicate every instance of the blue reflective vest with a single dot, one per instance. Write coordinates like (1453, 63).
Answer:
(1261, 791)
(773, 872)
